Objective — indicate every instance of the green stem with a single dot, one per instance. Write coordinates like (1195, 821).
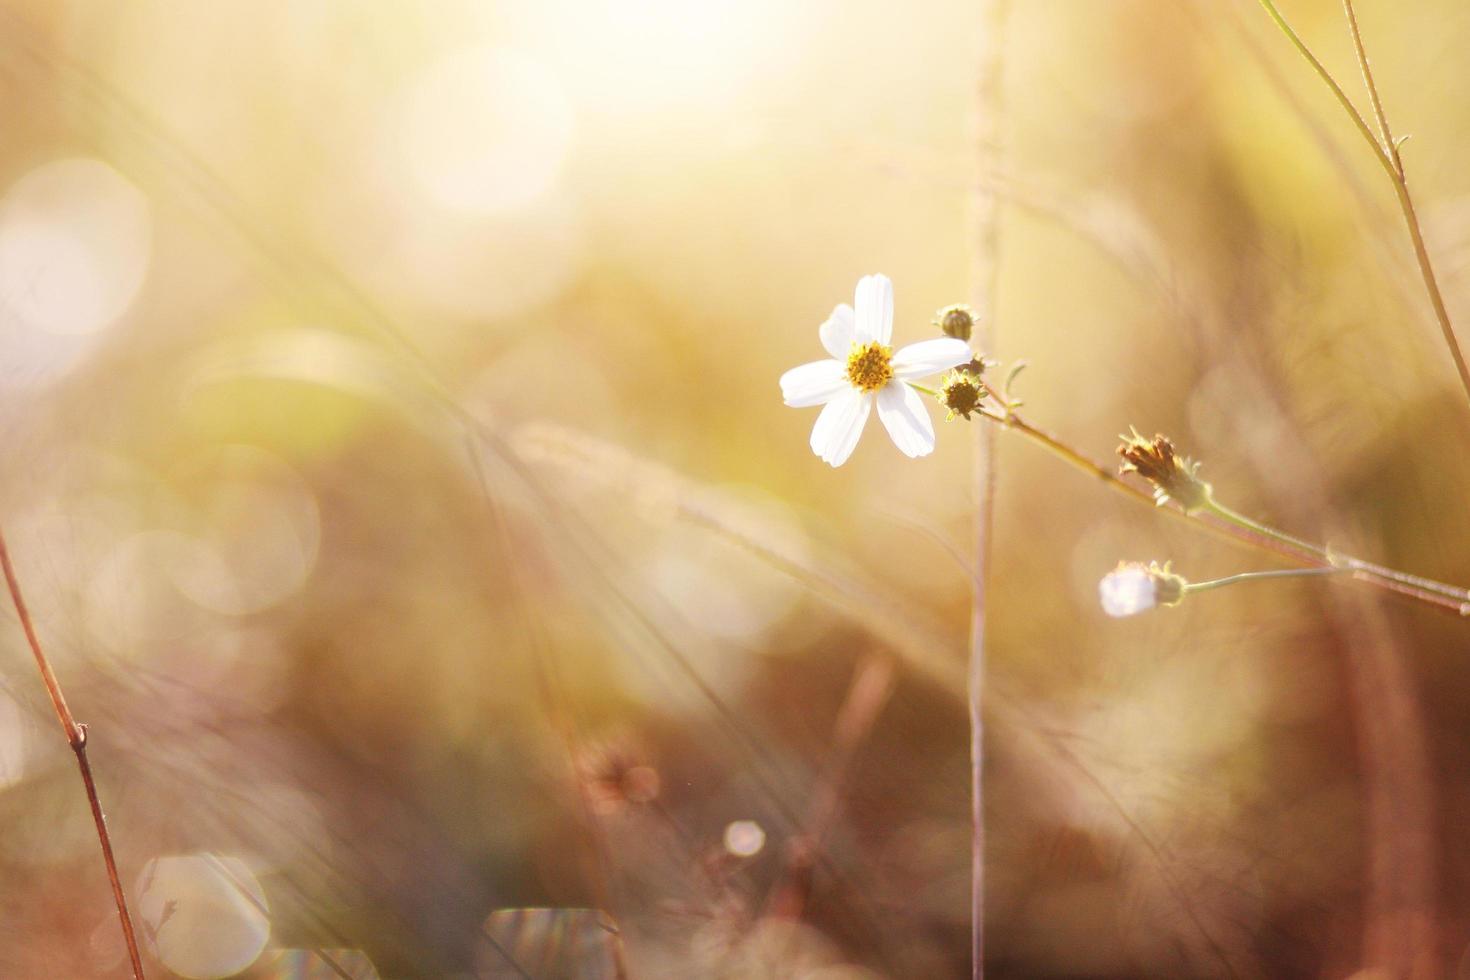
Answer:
(1219, 583)
(1221, 520)
(1386, 134)
(1240, 520)
(1365, 569)
(1342, 99)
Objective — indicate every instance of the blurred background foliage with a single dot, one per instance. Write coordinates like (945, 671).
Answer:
(395, 462)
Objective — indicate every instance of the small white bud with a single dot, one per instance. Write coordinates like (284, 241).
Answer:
(1134, 587)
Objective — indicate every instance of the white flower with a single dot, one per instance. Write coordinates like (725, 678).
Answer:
(1134, 587)
(864, 369)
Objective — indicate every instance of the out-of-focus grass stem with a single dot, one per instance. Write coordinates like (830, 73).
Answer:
(872, 684)
(984, 279)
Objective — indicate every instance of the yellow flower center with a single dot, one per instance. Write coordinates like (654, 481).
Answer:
(870, 365)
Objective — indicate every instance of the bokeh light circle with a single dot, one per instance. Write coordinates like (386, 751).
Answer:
(484, 130)
(75, 245)
(206, 914)
(745, 838)
(258, 527)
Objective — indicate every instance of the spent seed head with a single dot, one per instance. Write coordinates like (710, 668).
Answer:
(1172, 476)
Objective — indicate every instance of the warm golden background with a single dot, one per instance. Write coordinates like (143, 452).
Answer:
(393, 456)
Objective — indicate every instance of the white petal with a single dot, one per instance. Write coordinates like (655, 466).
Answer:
(814, 383)
(836, 433)
(929, 357)
(906, 419)
(874, 314)
(1127, 591)
(837, 332)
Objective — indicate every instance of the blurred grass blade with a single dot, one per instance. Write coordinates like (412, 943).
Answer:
(313, 964)
(550, 944)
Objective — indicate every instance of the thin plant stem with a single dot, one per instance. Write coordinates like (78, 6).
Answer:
(1225, 522)
(1389, 146)
(1240, 520)
(1370, 569)
(1337, 93)
(1220, 583)
(1386, 152)
(76, 737)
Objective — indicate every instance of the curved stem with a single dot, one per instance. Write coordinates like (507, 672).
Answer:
(76, 737)
(1342, 99)
(1358, 565)
(1220, 583)
(1240, 520)
(1235, 526)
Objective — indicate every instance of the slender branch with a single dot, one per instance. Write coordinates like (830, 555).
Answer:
(76, 737)
(1364, 130)
(1290, 540)
(1224, 522)
(1389, 146)
(1386, 152)
(1452, 592)
(1220, 583)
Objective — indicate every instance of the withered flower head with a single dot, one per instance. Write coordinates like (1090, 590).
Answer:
(957, 321)
(1173, 477)
(961, 391)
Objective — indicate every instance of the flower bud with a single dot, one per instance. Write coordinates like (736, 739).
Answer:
(1134, 587)
(957, 320)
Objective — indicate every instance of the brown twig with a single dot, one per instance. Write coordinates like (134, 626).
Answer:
(76, 737)
(1386, 152)
(1400, 181)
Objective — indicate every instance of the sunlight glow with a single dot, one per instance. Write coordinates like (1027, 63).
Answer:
(484, 131)
(632, 57)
